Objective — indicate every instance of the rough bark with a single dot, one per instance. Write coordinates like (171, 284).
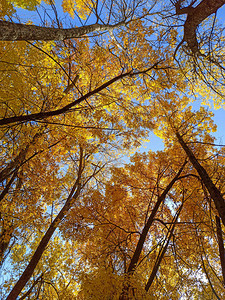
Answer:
(212, 189)
(221, 246)
(141, 241)
(195, 16)
(21, 32)
(44, 241)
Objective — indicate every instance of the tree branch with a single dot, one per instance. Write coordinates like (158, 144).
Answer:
(21, 32)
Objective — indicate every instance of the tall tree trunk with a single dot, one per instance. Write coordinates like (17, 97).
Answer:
(44, 241)
(162, 253)
(10, 31)
(195, 16)
(212, 189)
(37, 280)
(221, 246)
(141, 241)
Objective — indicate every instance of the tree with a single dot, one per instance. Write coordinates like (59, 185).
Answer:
(213, 190)
(201, 48)
(143, 235)
(74, 194)
(70, 107)
(117, 218)
(195, 16)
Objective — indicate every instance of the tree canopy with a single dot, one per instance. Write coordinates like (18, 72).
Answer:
(85, 212)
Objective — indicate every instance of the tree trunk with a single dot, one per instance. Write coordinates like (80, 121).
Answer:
(44, 241)
(221, 246)
(212, 189)
(21, 32)
(195, 16)
(31, 288)
(140, 244)
(162, 253)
